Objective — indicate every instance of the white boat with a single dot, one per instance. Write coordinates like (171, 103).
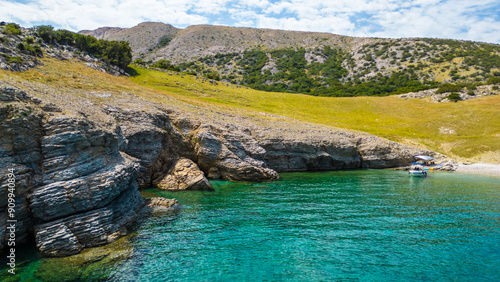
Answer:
(417, 170)
(421, 164)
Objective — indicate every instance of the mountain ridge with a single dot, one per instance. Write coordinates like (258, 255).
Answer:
(313, 63)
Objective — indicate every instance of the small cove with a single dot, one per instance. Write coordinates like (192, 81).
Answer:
(374, 225)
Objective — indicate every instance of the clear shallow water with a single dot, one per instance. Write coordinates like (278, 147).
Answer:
(372, 225)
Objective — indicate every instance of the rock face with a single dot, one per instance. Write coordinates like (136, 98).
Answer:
(74, 188)
(185, 175)
(78, 174)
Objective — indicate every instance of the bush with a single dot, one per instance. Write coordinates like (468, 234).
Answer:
(454, 96)
(21, 46)
(164, 40)
(213, 75)
(117, 53)
(12, 28)
(448, 87)
(493, 80)
(29, 40)
(35, 50)
(165, 64)
(46, 32)
(14, 60)
(139, 62)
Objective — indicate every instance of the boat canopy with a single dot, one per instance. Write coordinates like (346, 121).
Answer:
(424, 158)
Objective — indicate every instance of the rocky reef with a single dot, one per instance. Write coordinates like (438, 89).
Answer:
(78, 172)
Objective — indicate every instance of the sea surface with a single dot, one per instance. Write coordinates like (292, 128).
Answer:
(364, 225)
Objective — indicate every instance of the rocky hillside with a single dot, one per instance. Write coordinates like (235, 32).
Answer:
(315, 63)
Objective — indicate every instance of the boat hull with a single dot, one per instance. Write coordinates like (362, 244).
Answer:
(417, 173)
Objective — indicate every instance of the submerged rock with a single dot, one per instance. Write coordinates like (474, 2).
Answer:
(161, 202)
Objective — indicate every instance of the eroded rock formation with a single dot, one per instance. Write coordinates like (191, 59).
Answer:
(184, 175)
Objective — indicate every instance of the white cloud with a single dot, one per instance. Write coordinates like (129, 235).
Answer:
(460, 19)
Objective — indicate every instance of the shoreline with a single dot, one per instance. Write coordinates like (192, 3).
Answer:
(479, 168)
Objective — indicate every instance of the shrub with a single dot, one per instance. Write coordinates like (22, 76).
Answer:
(29, 40)
(164, 40)
(14, 60)
(213, 75)
(35, 50)
(448, 87)
(472, 86)
(117, 53)
(21, 46)
(165, 64)
(12, 28)
(493, 80)
(139, 62)
(454, 96)
(46, 32)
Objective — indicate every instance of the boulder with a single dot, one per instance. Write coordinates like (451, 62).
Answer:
(185, 175)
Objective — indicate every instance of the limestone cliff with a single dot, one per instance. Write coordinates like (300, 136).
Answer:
(78, 170)
(74, 188)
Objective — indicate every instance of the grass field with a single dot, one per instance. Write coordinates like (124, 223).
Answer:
(467, 130)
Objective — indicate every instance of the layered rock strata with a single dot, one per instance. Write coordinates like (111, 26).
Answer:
(74, 188)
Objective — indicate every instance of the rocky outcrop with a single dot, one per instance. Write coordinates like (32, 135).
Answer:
(231, 154)
(464, 94)
(184, 175)
(332, 149)
(74, 188)
(20, 151)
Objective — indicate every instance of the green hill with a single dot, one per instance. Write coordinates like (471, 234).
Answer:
(319, 64)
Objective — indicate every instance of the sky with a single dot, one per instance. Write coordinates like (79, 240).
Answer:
(476, 20)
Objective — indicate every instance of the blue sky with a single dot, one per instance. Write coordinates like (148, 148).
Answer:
(477, 20)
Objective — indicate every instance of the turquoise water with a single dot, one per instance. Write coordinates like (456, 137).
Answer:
(370, 225)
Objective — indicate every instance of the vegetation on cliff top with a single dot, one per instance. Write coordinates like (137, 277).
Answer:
(31, 42)
(117, 53)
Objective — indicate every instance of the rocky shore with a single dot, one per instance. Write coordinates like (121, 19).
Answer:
(79, 169)
(479, 168)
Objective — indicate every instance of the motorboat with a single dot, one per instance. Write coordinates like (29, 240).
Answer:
(417, 170)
